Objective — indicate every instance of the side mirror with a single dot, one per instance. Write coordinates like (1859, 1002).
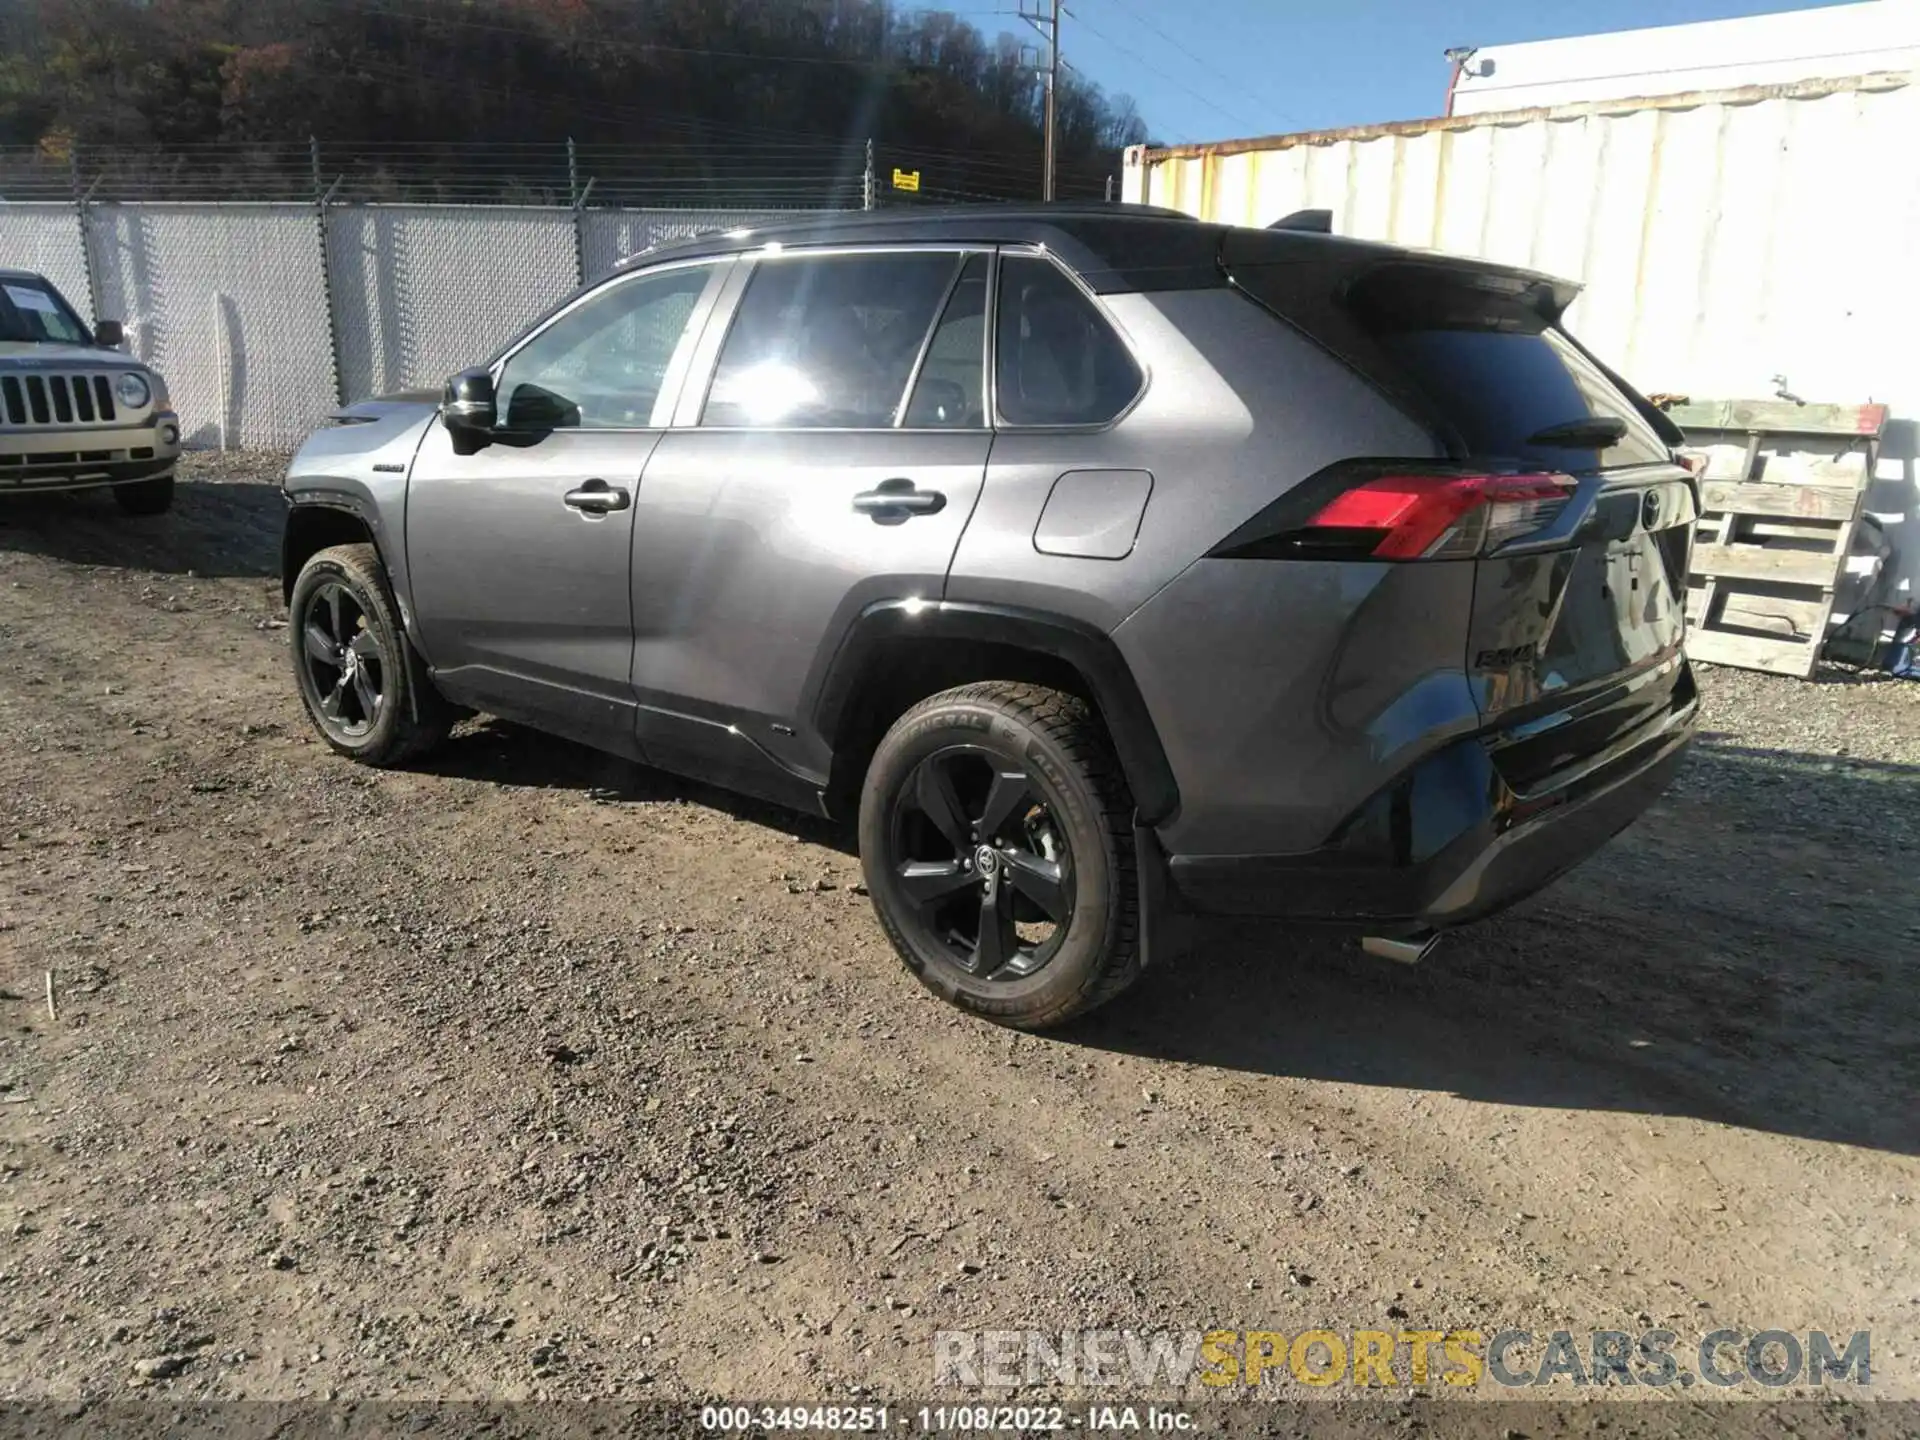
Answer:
(109, 335)
(468, 410)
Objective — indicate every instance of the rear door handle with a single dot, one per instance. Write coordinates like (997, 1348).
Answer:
(897, 499)
(596, 497)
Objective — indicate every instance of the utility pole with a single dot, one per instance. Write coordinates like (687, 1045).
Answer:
(1045, 18)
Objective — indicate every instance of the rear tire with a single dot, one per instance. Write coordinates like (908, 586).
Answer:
(365, 690)
(146, 497)
(996, 835)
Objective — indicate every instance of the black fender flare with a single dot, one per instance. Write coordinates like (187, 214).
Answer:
(362, 511)
(1090, 651)
(333, 502)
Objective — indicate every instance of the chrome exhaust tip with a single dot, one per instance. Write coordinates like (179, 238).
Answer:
(1402, 950)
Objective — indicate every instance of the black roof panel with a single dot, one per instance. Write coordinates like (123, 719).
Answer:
(1112, 247)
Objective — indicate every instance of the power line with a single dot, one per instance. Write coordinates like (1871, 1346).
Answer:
(1206, 65)
(1239, 121)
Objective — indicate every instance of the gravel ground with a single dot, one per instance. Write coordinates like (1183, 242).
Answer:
(528, 1073)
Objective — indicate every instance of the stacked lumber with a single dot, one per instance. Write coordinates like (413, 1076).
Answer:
(1782, 490)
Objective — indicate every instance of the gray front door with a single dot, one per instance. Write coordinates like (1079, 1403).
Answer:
(838, 455)
(520, 554)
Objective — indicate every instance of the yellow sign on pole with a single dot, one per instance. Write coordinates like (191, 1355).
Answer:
(906, 179)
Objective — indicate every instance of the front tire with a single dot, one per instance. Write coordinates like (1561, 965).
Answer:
(146, 497)
(997, 841)
(365, 690)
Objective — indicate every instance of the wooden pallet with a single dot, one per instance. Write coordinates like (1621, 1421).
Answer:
(1783, 488)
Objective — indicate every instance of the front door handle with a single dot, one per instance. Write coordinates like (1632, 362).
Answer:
(897, 499)
(596, 497)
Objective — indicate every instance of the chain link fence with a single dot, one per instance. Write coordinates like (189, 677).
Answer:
(263, 317)
(269, 282)
(264, 314)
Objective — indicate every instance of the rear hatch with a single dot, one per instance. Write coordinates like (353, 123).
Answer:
(1581, 561)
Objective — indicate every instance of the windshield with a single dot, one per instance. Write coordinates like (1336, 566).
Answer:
(32, 310)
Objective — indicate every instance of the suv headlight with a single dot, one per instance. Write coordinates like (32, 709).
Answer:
(132, 389)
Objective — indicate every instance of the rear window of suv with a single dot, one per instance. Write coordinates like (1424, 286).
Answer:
(1472, 350)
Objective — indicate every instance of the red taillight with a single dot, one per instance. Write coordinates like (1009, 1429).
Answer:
(1411, 517)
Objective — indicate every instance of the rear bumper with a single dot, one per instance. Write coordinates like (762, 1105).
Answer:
(1502, 846)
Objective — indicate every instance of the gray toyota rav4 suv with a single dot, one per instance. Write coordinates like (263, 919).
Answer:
(1110, 567)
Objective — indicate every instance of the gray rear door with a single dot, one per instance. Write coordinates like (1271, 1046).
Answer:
(832, 460)
(520, 554)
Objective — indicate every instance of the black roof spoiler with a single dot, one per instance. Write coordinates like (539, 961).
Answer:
(1320, 222)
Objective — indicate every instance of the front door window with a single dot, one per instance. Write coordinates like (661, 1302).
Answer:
(602, 364)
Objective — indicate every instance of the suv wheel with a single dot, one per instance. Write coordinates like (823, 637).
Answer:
(996, 836)
(146, 497)
(365, 690)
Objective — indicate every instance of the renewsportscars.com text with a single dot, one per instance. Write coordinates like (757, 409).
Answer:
(1513, 1359)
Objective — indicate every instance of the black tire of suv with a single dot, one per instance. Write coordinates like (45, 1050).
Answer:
(1059, 740)
(415, 718)
(146, 497)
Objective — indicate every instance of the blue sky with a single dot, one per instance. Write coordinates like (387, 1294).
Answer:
(1215, 69)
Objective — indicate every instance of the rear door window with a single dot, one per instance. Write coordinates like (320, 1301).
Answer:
(1057, 361)
(950, 393)
(828, 341)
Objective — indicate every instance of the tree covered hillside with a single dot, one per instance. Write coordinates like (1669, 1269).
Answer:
(701, 91)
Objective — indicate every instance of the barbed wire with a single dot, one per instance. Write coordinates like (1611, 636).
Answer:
(688, 169)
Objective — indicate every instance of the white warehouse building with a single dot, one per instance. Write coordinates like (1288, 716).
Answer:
(1783, 49)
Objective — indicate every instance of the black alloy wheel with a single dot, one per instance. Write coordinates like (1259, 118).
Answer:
(985, 869)
(365, 688)
(346, 664)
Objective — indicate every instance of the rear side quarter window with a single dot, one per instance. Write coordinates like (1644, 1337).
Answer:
(1057, 358)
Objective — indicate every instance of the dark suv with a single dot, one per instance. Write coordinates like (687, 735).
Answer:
(1110, 566)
